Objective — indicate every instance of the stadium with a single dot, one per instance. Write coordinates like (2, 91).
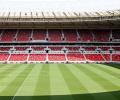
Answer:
(60, 55)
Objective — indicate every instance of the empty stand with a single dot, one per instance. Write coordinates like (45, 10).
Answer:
(4, 57)
(39, 35)
(101, 35)
(116, 34)
(75, 57)
(94, 57)
(58, 35)
(18, 57)
(106, 56)
(56, 57)
(104, 48)
(89, 48)
(70, 35)
(37, 57)
(85, 35)
(116, 48)
(8, 35)
(55, 35)
(5, 48)
(21, 48)
(116, 57)
(55, 48)
(72, 48)
(40, 52)
(24, 35)
(38, 48)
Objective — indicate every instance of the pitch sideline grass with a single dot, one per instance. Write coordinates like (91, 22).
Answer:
(58, 79)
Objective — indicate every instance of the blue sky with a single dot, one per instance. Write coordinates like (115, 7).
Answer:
(58, 5)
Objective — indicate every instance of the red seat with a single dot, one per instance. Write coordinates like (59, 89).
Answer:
(104, 48)
(39, 35)
(106, 56)
(94, 57)
(8, 36)
(54, 35)
(116, 48)
(18, 57)
(85, 36)
(56, 57)
(37, 57)
(24, 35)
(89, 48)
(102, 35)
(56, 48)
(72, 48)
(38, 48)
(75, 57)
(115, 57)
(4, 57)
(21, 48)
(116, 34)
(5, 48)
(70, 35)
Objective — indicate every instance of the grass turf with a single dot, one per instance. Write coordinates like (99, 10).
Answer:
(59, 81)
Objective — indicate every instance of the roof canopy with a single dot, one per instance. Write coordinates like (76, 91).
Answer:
(58, 14)
(106, 19)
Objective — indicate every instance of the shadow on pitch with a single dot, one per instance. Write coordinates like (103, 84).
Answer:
(113, 65)
(93, 96)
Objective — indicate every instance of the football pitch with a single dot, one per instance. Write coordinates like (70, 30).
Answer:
(59, 82)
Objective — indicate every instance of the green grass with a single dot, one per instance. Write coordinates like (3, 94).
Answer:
(59, 81)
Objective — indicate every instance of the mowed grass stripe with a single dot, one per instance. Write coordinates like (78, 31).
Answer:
(115, 81)
(107, 85)
(28, 85)
(84, 68)
(106, 79)
(111, 72)
(7, 76)
(57, 82)
(13, 86)
(89, 83)
(8, 69)
(92, 87)
(43, 82)
(3, 65)
(111, 68)
(74, 85)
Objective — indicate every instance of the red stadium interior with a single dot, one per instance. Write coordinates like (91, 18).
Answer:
(60, 35)
(54, 45)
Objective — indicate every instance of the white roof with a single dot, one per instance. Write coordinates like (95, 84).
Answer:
(57, 14)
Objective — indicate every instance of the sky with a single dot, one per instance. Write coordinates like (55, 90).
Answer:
(58, 5)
